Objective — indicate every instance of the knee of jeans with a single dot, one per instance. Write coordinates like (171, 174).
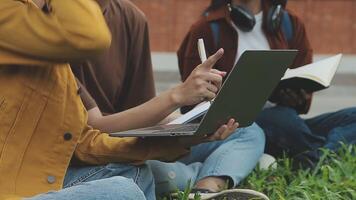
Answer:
(351, 113)
(121, 187)
(170, 177)
(258, 137)
(146, 174)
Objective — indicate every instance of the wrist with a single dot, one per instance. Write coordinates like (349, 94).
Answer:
(175, 97)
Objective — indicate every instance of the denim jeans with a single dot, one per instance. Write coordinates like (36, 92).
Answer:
(233, 158)
(287, 132)
(113, 181)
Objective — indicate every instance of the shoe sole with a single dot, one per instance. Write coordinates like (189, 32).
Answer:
(234, 194)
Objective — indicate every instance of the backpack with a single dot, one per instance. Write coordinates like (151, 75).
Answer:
(286, 26)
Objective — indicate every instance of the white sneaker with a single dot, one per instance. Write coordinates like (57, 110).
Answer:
(233, 194)
(266, 162)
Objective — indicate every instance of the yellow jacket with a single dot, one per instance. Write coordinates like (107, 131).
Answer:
(42, 119)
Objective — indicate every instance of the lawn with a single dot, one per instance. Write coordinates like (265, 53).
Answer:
(334, 178)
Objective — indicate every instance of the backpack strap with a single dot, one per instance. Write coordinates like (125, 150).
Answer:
(215, 28)
(287, 26)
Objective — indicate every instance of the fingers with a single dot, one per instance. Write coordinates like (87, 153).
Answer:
(298, 97)
(208, 96)
(218, 72)
(217, 135)
(287, 99)
(210, 62)
(213, 88)
(305, 94)
(213, 78)
(231, 127)
(224, 131)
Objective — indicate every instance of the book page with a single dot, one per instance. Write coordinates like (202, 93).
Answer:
(322, 71)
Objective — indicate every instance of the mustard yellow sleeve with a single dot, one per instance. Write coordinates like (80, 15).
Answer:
(71, 30)
(99, 148)
(9, 197)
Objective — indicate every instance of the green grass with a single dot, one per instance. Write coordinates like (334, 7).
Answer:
(334, 178)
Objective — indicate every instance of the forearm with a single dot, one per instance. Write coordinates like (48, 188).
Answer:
(95, 147)
(170, 118)
(194, 90)
(145, 115)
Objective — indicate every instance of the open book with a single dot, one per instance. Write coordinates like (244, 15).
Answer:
(313, 77)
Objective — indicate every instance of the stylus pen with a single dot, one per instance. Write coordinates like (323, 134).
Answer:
(201, 49)
(202, 53)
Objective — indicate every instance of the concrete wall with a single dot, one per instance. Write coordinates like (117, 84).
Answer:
(331, 24)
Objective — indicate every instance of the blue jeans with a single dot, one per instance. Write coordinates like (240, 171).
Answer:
(113, 181)
(287, 132)
(233, 158)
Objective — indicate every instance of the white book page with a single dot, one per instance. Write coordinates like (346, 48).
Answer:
(322, 71)
(192, 114)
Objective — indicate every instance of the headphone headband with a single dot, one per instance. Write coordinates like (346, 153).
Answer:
(244, 19)
(283, 3)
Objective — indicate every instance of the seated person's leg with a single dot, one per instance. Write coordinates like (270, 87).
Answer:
(142, 176)
(171, 177)
(335, 127)
(232, 159)
(286, 131)
(104, 189)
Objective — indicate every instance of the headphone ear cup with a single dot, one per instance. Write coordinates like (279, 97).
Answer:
(243, 18)
(274, 18)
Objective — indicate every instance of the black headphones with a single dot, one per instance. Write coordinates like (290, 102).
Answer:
(245, 20)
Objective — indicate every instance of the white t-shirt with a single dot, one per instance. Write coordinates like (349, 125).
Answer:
(254, 40)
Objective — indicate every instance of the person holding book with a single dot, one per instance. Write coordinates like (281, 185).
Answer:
(237, 26)
(43, 124)
(109, 98)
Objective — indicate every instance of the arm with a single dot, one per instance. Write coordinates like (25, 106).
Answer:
(98, 148)
(154, 111)
(194, 90)
(95, 147)
(73, 29)
(297, 99)
(188, 56)
(305, 56)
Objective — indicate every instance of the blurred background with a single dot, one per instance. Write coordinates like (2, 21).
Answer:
(331, 27)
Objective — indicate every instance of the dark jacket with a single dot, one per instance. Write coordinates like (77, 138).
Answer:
(188, 56)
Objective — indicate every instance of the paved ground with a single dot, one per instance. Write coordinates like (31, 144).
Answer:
(341, 95)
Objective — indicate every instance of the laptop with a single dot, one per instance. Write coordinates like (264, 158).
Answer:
(242, 96)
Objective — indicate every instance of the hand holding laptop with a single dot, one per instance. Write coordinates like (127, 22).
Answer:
(221, 134)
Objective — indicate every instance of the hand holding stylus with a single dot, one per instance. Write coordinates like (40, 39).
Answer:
(203, 58)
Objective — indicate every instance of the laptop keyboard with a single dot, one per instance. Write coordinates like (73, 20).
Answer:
(182, 129)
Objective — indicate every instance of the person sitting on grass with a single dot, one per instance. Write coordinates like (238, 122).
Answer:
(240, 25)
(43, 124)
(111, 85)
